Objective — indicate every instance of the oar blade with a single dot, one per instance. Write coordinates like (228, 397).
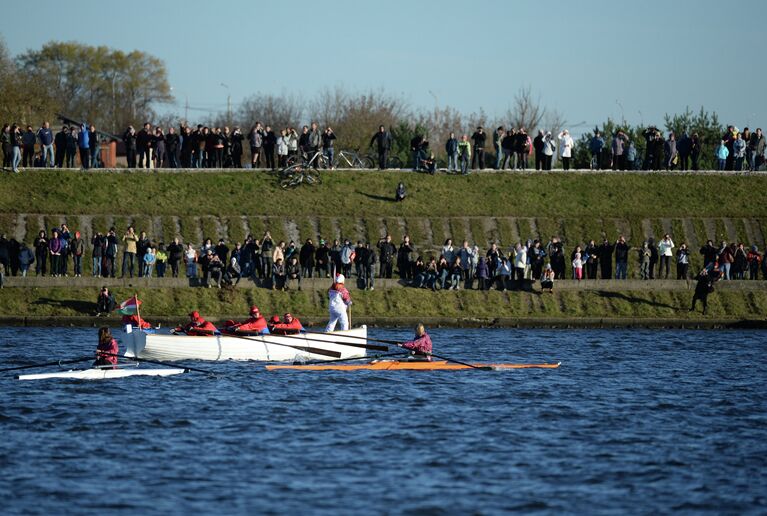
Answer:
(319, 351)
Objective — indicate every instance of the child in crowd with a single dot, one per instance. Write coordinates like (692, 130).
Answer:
(547, 279)
(149, 260)
(577, 265)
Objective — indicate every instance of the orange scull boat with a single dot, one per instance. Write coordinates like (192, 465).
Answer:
(403, 365)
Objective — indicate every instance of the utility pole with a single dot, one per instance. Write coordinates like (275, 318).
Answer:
(228, 104)
(186, 108)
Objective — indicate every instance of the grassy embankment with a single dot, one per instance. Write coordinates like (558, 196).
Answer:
(395, 303)
(358, 205)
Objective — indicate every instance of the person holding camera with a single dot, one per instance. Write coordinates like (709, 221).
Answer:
(327, 146)
(105, 302)
(479, 137)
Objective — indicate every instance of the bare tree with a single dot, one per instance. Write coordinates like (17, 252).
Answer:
(329, 106)
(355, 117)
(279, 111)
(554, 121)
(440, 123)
(526, 111)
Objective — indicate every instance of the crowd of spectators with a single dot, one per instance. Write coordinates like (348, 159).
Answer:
(736, 151)
(42, 148)
(281, 265)
(222, 147)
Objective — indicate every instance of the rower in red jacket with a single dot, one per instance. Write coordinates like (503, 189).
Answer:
(273, 321)
(255, 325)
(135, 321)
(421, 345)
(198, 326)
(107, 348)
(289, 326)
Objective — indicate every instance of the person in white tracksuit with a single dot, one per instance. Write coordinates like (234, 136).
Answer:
(338, 300)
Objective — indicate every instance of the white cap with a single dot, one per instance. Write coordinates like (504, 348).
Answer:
(340, 278)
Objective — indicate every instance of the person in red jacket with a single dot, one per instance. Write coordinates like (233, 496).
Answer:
(107, 349)
(135, 321)
(289, 326)
(420, 345)
(254, 325)
(197, 326)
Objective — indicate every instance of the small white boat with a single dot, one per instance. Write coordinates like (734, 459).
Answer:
(102, 373)
(156, 346)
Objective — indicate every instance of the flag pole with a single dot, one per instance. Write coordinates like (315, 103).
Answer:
(138, 312)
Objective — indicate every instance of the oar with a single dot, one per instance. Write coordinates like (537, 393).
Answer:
(447, 359)
(166, 364)
(356, 337)
(46, 364)
(371, 347)
(308, 349)
(398, 344)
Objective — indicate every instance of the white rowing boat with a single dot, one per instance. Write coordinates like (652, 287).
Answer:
(101, 373)
(156, 346)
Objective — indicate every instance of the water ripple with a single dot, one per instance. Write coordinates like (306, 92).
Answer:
(634, 421)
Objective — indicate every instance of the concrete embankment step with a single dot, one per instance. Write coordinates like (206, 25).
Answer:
(380, 284)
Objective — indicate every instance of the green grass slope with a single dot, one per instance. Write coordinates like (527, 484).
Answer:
(346, 193)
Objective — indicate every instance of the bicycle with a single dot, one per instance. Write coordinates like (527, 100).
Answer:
(318, 160)
(352, 159)
(394, 162)
(302, 170)
(295, 175)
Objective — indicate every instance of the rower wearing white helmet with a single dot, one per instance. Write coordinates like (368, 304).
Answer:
(338, 300)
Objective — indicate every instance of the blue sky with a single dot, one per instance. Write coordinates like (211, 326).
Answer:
(589, 60)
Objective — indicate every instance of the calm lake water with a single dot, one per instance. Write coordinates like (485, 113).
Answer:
(633, 422)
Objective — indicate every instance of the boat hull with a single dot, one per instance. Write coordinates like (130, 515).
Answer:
(396, 365)
(257, 347)
(101, 374)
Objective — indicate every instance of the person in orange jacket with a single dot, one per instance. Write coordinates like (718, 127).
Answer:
(254, 325)
(135, 321)
(197, 326)
(289, 326)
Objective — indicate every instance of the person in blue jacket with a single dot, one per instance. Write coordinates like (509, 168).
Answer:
(83, 142)
(596, 145)
(45, 136)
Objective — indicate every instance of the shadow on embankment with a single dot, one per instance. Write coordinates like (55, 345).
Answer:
(376, 197)
(633, 299)
(78, 306)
